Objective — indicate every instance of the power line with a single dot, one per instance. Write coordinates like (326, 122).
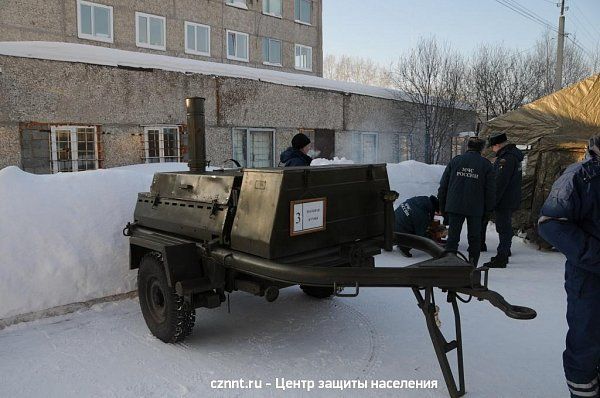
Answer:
(529, 15)
(585, 18)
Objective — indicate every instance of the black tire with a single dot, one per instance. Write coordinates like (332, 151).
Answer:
(167, 315)
(317, 291)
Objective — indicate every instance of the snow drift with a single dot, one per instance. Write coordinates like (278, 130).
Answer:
(60, 235)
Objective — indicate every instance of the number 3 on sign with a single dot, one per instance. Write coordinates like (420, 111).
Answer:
(307, 216)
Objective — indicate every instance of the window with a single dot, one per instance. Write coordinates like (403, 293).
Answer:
(161, 144)
(365, 147)
(197, 39)
(401, 148)
(237, 46)
(150, 31)
(272, 7)
(253, 147)
(459, 143)
(303, 11)
(271, 51)
(237, 3)
(303, 58)
(74, 148)
(94, 21)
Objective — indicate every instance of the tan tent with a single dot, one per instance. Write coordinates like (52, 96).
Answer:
(554, 130)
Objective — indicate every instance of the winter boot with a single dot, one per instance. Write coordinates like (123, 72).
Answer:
(498, 261)
(405, 251)
(474, 260)
(483, 247)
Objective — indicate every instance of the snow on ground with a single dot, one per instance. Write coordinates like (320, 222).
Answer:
(61, 242)
(380, 335)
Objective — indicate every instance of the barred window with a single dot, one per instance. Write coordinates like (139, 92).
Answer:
(162, 144)
(253, 147)
(401, 150)
(73, 148)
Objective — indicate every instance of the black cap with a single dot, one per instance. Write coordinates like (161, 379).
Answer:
(497, 138)
(476, 144)
(300, 141)
(594, 146)
(435, 202)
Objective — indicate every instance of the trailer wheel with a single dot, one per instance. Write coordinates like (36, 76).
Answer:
(167, 315)
(317, 291)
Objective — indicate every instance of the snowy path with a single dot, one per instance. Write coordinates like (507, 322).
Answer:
(380, 335)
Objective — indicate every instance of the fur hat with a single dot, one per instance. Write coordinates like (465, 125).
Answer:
(497, 138)
(594, 147)
(476, 144)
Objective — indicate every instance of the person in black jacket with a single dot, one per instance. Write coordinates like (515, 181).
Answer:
(570, 221)
(296, 155)
(467, 191)
(508, 194)
(414, 216)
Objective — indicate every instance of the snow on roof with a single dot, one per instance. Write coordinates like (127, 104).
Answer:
(89, 54)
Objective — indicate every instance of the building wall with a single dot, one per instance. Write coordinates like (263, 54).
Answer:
(123, 101)
(56, 20)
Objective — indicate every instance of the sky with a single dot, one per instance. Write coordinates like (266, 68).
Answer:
(383, 29)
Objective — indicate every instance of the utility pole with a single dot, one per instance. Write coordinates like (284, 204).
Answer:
(560, 49)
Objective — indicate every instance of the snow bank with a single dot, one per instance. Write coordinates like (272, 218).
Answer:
(60, 235)
(327, 162)
(412, 178)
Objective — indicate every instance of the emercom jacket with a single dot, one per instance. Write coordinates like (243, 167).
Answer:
(294, 157)
(468, 186)
(571, 215)
(414, 216)
(508, 177)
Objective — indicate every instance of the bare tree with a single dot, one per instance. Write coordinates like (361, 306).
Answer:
(500, 79)
(355, 69)
(432, 76)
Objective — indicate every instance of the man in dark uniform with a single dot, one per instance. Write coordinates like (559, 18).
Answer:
(570, 221)
(467, 191)
(296, 155)
(508, 194)
(414, 216)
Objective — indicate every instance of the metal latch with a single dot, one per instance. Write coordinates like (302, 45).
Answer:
(337, 290)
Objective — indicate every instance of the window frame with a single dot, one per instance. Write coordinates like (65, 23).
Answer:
(361, 137)
(185, 38)
(301, 46)
(241, 4)
(74, 147)
(93, 36)
(296, 9)
(236, 58)
(269, 63)
(137, 31)
(248, 153)
(161, 143)
(408, 137)
(272, 14)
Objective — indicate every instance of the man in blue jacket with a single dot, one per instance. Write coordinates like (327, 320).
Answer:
(570, 221)
(508, 194)
(414, 216)
(467, 191)
(296, 155)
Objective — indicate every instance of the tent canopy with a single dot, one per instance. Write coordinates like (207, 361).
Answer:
(571, 112)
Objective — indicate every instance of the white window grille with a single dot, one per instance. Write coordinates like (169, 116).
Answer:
(150, 31)
(94, 21)
(162, 144)
(271, 51)
(272, 7)
(303, 11)
(237, 3)
(73, 148)
(237, 46)
(254, 147)
(303, 58)
(365, 147)
(197, 39)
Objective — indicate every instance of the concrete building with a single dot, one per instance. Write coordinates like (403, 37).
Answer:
(71, 103)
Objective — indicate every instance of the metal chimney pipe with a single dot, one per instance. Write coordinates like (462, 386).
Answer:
(196, 134)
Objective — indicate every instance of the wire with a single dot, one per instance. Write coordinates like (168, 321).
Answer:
(527, 14)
